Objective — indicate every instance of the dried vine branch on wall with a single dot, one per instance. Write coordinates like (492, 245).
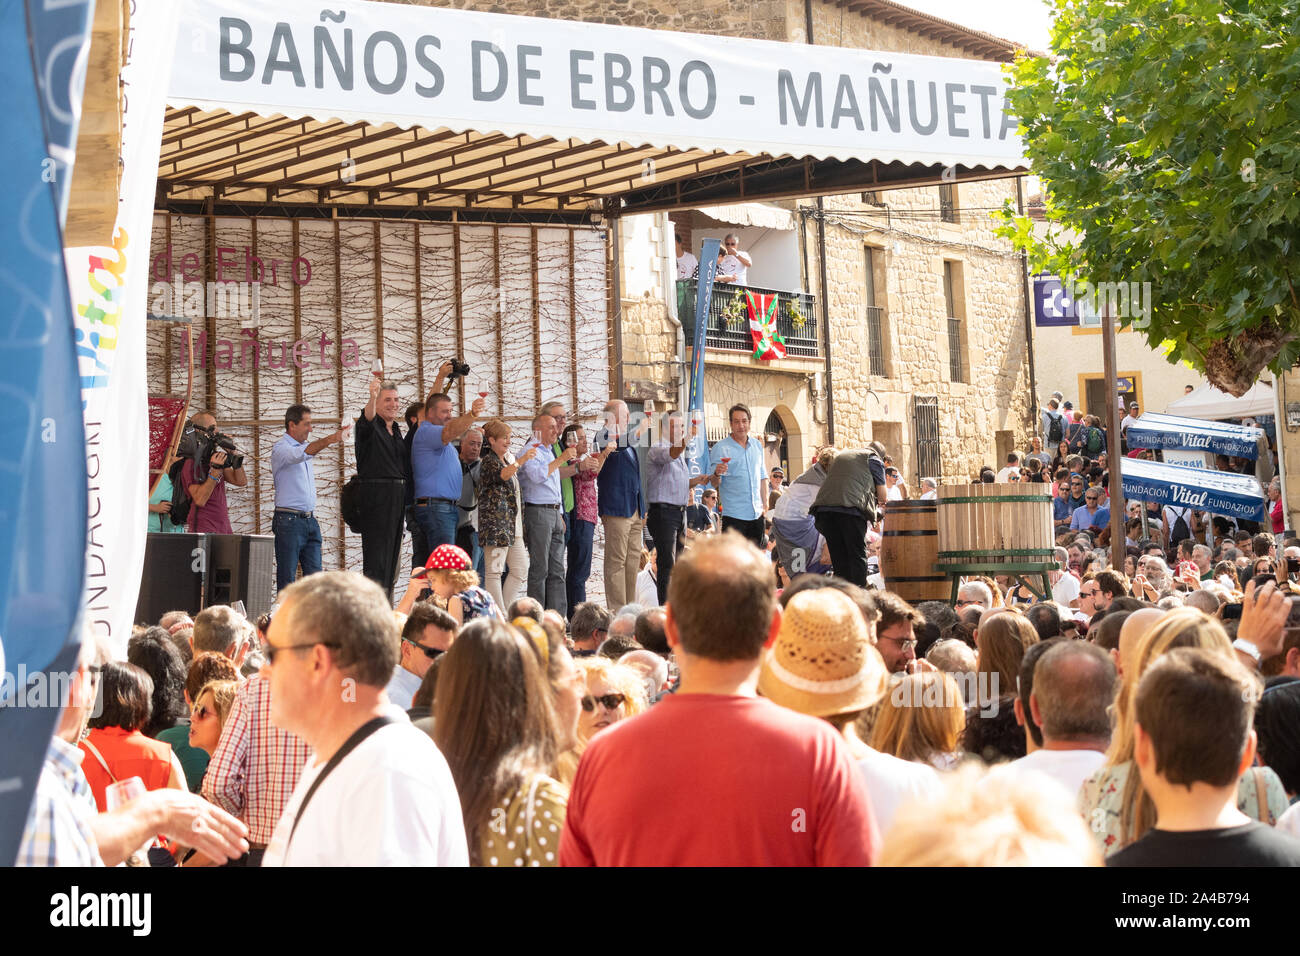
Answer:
(275, 333)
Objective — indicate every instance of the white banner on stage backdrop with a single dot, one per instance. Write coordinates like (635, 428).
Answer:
(463, 70)
(110, 288)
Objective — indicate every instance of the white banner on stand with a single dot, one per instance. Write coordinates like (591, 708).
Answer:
(110, 288)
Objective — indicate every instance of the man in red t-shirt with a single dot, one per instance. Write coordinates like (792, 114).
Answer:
(714, 775)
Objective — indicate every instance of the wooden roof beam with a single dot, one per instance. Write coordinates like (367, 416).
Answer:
(368, 135)
(257, 153)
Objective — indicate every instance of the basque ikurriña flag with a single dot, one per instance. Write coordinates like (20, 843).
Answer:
(768, 343)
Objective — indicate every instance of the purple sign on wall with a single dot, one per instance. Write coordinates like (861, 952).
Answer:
(1054, 305)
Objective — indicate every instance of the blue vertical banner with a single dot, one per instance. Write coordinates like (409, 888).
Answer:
(42, 440)
(60, 39)
(699, 447)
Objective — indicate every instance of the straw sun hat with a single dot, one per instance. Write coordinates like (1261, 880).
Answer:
(823, 662)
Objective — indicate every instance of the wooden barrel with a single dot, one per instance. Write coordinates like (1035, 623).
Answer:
(909, 547)
(993, 527)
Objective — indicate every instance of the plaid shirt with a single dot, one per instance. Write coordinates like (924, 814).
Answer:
(255, 766)
(58, 829)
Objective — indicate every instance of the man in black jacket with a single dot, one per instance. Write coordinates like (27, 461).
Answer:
(383, 466)
(850, 499)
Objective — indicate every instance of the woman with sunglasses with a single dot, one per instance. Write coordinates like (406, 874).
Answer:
(614, 692)
(204, 669)
(209, 715)
(207, 719)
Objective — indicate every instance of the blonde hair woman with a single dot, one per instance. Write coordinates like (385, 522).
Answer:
(990, 820)
(992, 585)
(614, 692)
(1113, 801)
(211, 707)
(921, 719)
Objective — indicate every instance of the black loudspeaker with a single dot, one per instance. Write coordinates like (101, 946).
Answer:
(173, 578)
(241, 567)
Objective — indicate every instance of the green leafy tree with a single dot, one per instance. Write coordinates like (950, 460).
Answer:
(1167, 136)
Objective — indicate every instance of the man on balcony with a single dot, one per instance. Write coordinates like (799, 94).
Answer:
(733, 264)
(687, 265)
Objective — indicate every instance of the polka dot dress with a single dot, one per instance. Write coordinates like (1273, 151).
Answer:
(526, 830)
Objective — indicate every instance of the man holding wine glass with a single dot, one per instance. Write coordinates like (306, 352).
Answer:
(621, 502)
(556, 411)
(539, 482)
(383, 467)
(435, 463)
(668, 486)
(738, 462)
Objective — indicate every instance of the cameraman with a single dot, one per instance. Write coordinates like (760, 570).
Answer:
(207, 485)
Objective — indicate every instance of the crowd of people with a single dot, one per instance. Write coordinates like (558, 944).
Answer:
(780, 707)
(842, 726)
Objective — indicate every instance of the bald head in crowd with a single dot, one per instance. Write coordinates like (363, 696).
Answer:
(1074, 684)
(722, 602)
(1136, 626)
(1203, 601)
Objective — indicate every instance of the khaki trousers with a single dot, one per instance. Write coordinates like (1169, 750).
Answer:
(622, 559)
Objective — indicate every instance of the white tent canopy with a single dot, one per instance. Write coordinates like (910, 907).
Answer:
(1210, 403)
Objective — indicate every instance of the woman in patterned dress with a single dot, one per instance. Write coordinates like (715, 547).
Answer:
(496, 722)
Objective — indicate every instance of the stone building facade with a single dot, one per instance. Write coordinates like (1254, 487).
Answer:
(970, 377)
(977, 419)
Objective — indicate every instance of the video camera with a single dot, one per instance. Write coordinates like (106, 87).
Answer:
(199, 443)
(459, 369)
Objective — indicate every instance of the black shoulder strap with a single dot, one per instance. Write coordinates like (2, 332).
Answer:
(349, 745)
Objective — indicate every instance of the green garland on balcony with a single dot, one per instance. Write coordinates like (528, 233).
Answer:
(733, 312)
(797, 319)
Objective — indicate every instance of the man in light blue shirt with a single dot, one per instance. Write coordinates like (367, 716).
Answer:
(435, 468)
(1090, 516)
(739, 463)
(539, 486)
(297, 535)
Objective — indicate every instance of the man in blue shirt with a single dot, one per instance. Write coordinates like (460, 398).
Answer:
(738, 461)
(1090, 515)
(297, 535)
(539, 486)
(435, 467)
(621, 503)
(1068, 500)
